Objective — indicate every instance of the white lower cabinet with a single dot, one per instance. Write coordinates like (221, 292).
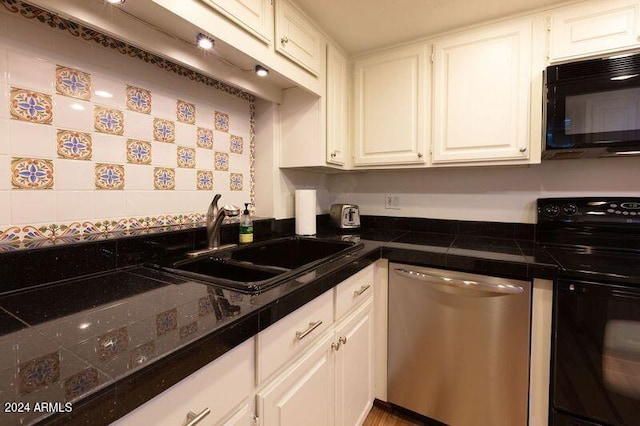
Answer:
(354, 367)
(304, 394)
(220, 387)
(332, 381)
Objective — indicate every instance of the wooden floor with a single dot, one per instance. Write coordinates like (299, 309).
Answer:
(381, 416)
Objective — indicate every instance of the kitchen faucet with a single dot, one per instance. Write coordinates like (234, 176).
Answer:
(215, 216)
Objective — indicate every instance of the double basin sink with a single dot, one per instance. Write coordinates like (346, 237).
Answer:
(263, 265)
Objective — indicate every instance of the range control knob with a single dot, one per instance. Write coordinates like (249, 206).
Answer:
(551, 210)
(569, 209)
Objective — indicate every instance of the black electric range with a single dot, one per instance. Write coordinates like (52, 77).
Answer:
(596, 315)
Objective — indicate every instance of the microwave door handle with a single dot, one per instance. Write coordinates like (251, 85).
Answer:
(458, 283)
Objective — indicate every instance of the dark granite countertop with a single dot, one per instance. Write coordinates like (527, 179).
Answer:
(109, 342)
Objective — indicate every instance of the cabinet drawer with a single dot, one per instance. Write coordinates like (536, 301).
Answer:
(289, 336)
(354, 291)
(219, 386)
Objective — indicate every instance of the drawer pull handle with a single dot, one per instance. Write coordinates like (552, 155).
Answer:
(335, 346)
(193, 418)
(362, 290)
(312, 326)
(343, 340)
(284, 40)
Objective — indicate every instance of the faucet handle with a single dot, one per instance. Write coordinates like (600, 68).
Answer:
(213, 207)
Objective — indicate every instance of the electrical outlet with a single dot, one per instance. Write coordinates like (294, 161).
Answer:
(392, 201)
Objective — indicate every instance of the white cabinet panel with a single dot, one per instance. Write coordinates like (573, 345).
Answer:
(337, 93)
(354, 366)
(255, 16)
(304, 394)
(297, 39)
(219, 386)
(593, 27)
(482, 94)
(391, 107)
(291, 335)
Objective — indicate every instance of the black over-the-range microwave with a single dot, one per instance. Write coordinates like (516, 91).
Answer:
(593, 108)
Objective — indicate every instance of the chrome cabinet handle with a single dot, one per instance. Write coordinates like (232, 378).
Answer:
(362, 290)
(312, 326)
(193, 418)
(523, 149)
(343, 340)
(460, 283)
(284, 40)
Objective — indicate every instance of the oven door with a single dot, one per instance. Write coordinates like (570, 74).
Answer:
(596, 359)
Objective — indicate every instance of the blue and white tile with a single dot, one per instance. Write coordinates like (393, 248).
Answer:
(109, 148)
(221, 181)
(221, 141)
(204, 159)
(4, 101)
(139, 126)
(139, 177)
(5, 172)
(186, 134)
(73, 114)
(3, 65)
(4, 136)
(164, 106)
(75, 205)
(185, 180)
(5, 209)
(31, 207)
(108, 91)
(32, 140)
(28, 72)
(111, 204)
(73, 175)
(164, 154)
(204, 118)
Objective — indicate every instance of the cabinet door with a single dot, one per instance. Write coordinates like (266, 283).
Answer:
(482, 94)
(391, 108)
(354, 366)
(593, 27)
(255, 16)
(297, 39)
(220, 386)
(336, 106)
(304, 394)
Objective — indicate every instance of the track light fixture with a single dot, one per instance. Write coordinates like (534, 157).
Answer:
(261, 71)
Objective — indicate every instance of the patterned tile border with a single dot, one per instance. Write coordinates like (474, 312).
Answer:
(30, 236)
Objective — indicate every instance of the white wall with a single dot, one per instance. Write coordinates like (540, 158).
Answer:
(490, 194)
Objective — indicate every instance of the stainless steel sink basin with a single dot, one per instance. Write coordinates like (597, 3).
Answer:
(259, 266)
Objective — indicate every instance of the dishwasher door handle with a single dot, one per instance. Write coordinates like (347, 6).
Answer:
(498, 287)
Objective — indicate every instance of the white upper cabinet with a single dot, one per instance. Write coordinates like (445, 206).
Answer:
(593, 27)
(482, 94)
(255, 16)
(297, 38)
(391, 113)
(337, 102)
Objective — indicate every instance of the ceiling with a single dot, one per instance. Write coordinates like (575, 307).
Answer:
(362, 25)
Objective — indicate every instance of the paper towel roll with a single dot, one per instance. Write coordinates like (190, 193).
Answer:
(305, 212)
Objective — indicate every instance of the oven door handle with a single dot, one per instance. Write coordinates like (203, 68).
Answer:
(486, 286)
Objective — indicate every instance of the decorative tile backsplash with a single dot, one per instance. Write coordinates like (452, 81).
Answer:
(99, 137)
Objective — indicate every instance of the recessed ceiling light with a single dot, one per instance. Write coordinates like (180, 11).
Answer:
(115, 1)
(204, 42)
(261, 71)
(103, 94)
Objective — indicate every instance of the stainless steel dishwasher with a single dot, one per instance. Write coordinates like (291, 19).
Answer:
(459, 346)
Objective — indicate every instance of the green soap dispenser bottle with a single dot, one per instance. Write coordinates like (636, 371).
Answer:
(246, 226)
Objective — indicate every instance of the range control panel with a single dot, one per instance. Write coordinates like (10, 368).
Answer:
(589, 210)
